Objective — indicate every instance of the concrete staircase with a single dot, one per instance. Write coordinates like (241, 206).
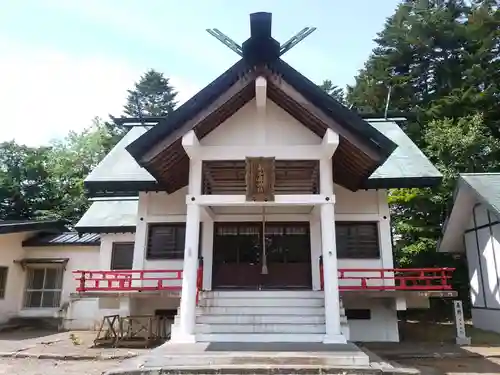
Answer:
(262, 316)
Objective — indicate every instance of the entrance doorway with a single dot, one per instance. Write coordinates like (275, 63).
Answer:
(247, 258)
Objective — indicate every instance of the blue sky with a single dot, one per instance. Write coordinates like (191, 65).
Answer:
(65, 61)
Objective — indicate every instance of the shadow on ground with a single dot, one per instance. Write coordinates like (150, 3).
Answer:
(430, 347)
(444, 332)
(25, 334)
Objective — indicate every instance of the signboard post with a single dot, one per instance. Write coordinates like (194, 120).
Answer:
(461, 338)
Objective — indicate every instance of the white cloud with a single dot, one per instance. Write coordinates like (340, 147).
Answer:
(45, 93)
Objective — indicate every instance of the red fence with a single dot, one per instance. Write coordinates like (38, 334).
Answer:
(393, 279)
(417, 279)
(128, 280)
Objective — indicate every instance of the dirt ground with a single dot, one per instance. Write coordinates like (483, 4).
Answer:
(32, 366)
(431, 348)
(69, 344)
(426, 346)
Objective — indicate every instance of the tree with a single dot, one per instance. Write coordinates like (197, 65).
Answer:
(25, 186)
(333, 90)
(71, 160)
(152, 96)
(441, 58)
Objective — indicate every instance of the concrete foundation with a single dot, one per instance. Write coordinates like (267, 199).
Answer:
(253, 358)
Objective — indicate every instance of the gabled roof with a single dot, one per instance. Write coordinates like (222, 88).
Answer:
(361, 148)
(169, 126)
(17, 226)
(407, 166)
(119, 168)
(63, 239)
(109, 216)
(370, 154)
(471, 189)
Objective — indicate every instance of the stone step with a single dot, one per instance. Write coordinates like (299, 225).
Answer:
(261, 319)
(261, 310)
(260, 337)
(262, 302)
(260, 328)
(263, 294)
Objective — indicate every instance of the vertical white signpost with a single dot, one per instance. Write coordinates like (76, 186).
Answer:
(461, 338)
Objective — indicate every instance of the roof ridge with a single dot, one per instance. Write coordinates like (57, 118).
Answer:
(479, 174)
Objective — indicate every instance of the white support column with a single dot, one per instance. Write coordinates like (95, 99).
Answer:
(315, 240)
(207, 251)
(329, 253)
(186, 333)
(141, 235)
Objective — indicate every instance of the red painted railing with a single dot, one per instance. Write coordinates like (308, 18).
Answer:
(199, 280)
(418, 279)
(135, 280)
(128, 280)
(392, 278)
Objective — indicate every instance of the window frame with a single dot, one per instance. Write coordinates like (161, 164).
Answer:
(27, 290)
(4, 274)
(112, 266)
(346, 254)
(167, 255)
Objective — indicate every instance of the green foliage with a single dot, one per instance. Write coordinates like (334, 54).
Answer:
(333, 90)
(442, 60)
(47, 182)
(71, 160)
(25, 189)
(152, 96)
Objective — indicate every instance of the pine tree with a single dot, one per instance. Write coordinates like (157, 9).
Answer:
(333, 90)
(152, 96)
(441, 58)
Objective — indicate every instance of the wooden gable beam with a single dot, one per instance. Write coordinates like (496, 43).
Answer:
(241, 84)
(314, 111)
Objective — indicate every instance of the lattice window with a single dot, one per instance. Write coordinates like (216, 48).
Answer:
(122, 256)
(358, 240)
(166, 241)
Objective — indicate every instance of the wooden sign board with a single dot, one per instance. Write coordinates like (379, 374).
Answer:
(260, 179)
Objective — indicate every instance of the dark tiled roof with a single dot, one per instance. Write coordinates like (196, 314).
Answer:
(64, 239)
(16, 226)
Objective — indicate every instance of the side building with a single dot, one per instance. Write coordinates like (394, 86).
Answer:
(473, 229)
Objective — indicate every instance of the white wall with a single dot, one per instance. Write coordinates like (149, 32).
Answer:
(370, 205)
(80, 257)
(242, 129)
(486, 319)
(482, 243)
(383, 325)
(10, 250)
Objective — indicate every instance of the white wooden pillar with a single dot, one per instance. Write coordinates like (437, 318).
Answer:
(329, 253)
(207, 252)
(186, 331)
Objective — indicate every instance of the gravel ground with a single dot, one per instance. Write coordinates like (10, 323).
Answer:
(30, 366)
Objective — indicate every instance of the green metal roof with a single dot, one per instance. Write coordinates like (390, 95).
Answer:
(109, 216)
(486, 186)
(407, 166)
